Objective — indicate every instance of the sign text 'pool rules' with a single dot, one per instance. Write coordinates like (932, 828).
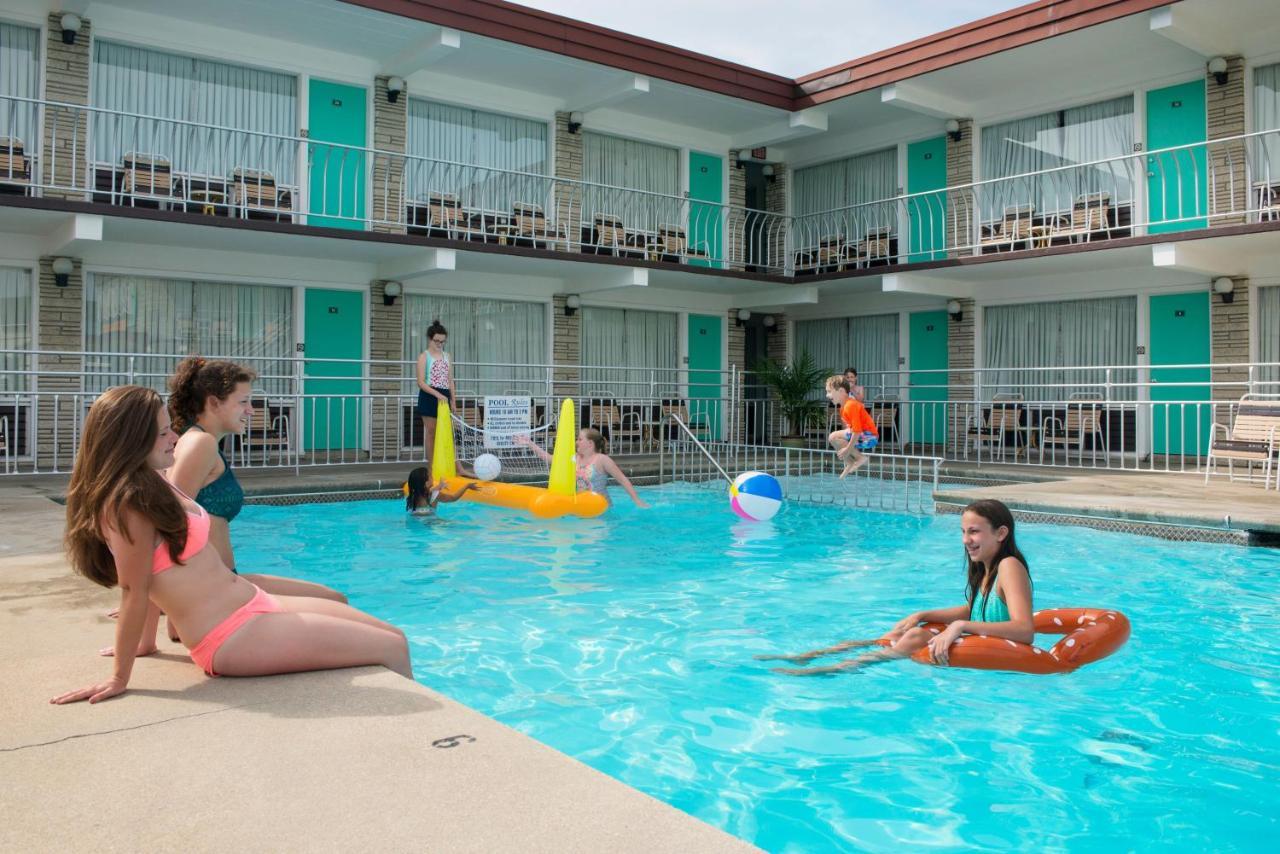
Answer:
(504, 417)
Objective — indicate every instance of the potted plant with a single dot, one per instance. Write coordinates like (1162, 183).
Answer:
(793, 386)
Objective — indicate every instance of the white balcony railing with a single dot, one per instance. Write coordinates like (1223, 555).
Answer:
(129, 159)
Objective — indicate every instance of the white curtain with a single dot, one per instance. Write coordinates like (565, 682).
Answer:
(1265, 149)
(1075, 333)
(868, 343)
(626, 163)
(20, 76)
(483, 142)
(169, 86)
(510, 336)
(1051, 140)
(626, 350)
(252, 324)
(15, 328)
(1269, 337)
(849, 198)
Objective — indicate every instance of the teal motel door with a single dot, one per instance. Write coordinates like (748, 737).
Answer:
(927, 349)
(336, 116)
(706, 237)
(1177, 181)
(333, 411)
(1180, 336)
(927, 214)
(705, 379)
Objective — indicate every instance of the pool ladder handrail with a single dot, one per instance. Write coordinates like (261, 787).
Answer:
(685, 427)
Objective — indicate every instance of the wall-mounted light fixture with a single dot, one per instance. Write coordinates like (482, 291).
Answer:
(395, 85)
(953, 129)
(1224, 287)
(62, 269)
(954, 310)
(743, 316)
(768, 172)
(575, 122)
(769, 323)
(70, 23)
(1218, 68)
(390, 291)
(572, 303)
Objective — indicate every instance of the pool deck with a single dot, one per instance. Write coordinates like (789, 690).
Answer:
(340, 760)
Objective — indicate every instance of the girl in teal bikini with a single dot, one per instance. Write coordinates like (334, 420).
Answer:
(997, 592)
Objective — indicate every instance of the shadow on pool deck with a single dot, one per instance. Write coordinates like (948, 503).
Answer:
(339, 760)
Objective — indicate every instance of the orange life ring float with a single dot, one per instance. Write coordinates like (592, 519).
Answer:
(1090, 634)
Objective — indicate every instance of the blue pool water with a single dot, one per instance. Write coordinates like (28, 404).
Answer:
(627, 642)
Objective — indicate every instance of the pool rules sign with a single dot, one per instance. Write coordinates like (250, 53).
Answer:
(504, 417)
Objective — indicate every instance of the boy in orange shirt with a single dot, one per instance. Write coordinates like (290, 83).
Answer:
(857, 424)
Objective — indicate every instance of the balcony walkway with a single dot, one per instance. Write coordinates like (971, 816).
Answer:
(338, 760)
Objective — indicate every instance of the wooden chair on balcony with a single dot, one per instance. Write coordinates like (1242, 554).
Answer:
(1012, 229)
(875, 248)
(1267, 198)
(1090, 215)
(672, 243)
(255, 191)
(15, 166)
(607, 233)
(999, 425)
(1082, 420)
(530, 226)
(147, 177)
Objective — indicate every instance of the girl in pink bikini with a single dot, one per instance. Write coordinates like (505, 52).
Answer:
(127, 527)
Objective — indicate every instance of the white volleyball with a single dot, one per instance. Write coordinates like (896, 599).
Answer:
(487, 467)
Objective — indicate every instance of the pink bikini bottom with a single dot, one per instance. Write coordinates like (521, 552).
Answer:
(203, 652)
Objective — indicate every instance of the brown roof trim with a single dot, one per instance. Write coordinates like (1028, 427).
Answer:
(557, 34)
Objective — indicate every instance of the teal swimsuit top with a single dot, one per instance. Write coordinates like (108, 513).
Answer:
(224, 497)
(997, 612)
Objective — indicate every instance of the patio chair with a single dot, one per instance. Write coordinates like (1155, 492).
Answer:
(530, 226)
(1082, 420)
(998, 423)
(148, 177)
(607, 233)
(1013, 228)
(875, 247)
(672, 243)
(1090, 215)
(15, 166)
(605, 417)
(1254, 437)
(268, 429)
(256, 190)
(1267, 197)
(884, 414)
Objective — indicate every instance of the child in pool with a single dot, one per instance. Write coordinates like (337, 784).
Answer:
(997, 593)
(859, 431)
(421, 499)
(592, 466)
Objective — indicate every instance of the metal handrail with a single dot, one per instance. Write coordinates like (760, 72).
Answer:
(701, 447)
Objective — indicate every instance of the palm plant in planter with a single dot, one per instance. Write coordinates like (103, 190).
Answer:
(792, 385)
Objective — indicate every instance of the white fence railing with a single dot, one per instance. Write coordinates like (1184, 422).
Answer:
(119, 158)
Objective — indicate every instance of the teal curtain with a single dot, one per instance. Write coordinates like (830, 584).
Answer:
(171, 318)
(868, 343)
(482, 142)
(15, 328)
(20, 76)
(498, 346)
(1074, 333)
(624, 350)
(613, 162)
(225, 100)
(1050, 140)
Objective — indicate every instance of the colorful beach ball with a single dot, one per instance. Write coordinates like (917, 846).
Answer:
(487, 467)
(755, 495)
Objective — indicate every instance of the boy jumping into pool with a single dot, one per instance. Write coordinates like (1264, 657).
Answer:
(859, 431)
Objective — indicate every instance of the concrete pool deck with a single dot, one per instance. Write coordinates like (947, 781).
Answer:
(340, 760)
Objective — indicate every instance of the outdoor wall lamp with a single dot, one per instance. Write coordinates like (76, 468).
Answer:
(768, 172)
(1224, 287)
(953, 129)
(70, 26)
(743, 316)
(769, 323)
(572, 303)
(954, 310)
(390, 291)
(1218, 68)
(395, 85)
(575, 122)
(62, 270)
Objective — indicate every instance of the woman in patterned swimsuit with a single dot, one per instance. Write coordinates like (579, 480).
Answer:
(208, 401)
(435, 383)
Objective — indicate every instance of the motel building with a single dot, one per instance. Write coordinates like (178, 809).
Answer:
(1051, 236)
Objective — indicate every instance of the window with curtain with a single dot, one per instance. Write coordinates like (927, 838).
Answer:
(1050, 140)
(497, 346)
(483, 142)
(1265, 149)
(15, 328)
(856, 180)
(627, 350)
(868, 343)
(19, 76)
(1071, 334)
(252, 324)
(615, 162)
(233, 98)
(1269, 338)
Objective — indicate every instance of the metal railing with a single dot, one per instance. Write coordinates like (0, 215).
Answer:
(121, 158)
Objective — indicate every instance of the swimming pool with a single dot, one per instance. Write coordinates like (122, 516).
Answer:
(626, 642)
